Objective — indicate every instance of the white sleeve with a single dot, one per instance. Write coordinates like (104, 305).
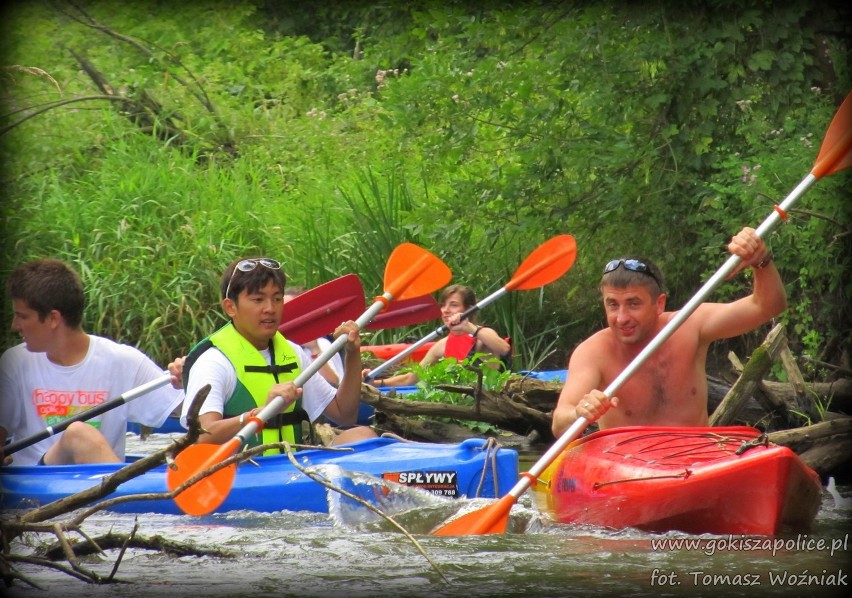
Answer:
(336, 362)
(212, 368)
(152, 410)
(317, 393)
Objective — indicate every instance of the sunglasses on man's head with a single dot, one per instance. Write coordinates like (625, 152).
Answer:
(248, 266)
(633, 265)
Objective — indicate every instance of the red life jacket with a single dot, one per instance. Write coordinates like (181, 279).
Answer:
(459, 346)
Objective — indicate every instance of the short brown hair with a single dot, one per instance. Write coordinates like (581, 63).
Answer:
(621, 276)
(49, 284)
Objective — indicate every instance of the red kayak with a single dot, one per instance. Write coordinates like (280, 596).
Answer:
(385, 352)
(725, 480)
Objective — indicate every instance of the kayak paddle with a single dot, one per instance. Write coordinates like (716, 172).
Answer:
(411, 271)
(125, 397)
(548, 262)
(407, 313)
(317, 311)
(835, 155)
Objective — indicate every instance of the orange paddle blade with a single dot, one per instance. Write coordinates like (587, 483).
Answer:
(487, 520)
(412, 271)
(204, 496)
(548, 262)
(835, 153)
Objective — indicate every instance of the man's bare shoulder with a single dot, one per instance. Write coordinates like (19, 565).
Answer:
(594, 345)
(701, 314)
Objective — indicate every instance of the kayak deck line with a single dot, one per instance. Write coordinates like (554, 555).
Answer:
(726, 480)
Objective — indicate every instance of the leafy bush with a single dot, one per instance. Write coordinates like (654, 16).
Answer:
(323, 136)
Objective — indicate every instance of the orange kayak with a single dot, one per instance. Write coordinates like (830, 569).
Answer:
(385, 352)
(724, 480)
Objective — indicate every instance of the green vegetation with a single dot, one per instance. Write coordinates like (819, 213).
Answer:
(324, 134)
(477, 371)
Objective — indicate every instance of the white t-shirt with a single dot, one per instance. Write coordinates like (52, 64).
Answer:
(336, 361)
(36, 393)
(213, 368)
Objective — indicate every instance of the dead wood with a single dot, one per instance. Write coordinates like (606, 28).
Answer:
(505, 410)
(143, 110)
(836, 395)
(157, 542)
(746, 386)
(167, 60)
(807, 437)
(826, 447)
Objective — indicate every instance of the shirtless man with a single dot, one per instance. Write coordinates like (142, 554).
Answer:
(670, 387)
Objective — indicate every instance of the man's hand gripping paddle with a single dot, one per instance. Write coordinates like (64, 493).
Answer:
(835, 155)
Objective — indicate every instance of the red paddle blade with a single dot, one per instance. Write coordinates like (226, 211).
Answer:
(412, 271)
(316, 312)
(206, 495)
(406, 313)
(835, 153)
(548, 262)
(487, 520)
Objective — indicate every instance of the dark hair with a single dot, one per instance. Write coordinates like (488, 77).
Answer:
(294, 291)
(46, 285)
(251, 281)
(621, 277)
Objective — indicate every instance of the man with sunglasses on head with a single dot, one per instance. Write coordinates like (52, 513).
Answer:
(670, 387)
(248, 362)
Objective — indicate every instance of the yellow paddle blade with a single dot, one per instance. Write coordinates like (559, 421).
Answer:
(207, 494)
(412, 271)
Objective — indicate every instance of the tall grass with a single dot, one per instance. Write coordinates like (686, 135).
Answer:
(151, 243)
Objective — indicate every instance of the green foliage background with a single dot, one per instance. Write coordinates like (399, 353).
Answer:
(324, 134)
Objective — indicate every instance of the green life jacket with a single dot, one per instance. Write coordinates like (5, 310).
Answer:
(254, 378)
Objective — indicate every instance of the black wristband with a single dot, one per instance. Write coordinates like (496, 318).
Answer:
(475, 332)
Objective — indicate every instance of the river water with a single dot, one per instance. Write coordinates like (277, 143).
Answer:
(354, 554)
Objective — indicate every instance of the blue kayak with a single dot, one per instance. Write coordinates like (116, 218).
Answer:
(468, 469)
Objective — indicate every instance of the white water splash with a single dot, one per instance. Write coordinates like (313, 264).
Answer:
(840, 501)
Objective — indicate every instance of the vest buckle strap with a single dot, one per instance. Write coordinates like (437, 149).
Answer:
(270, 369)
(292, 418)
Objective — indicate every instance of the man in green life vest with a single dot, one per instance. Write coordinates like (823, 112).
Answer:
(248, 362)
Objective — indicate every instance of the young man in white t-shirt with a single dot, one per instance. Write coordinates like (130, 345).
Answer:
(248, 362)
(60, 370)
